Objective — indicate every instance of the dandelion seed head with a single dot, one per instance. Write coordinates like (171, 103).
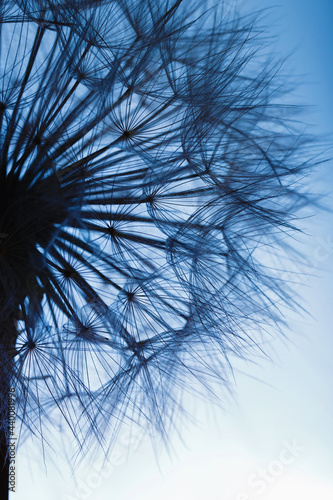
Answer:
(146, 166)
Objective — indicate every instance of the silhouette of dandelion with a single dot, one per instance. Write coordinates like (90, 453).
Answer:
(146, 169)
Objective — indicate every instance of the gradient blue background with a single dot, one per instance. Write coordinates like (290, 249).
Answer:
(284, 400)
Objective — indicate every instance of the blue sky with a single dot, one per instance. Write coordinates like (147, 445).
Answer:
(274, 438)
(305, 27)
